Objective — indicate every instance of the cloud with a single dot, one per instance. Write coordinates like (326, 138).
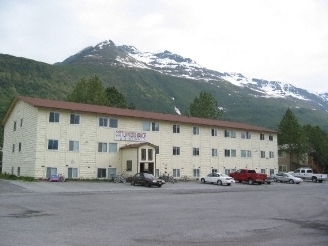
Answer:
(272, 39)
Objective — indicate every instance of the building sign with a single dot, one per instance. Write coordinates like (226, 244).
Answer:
(130, 136)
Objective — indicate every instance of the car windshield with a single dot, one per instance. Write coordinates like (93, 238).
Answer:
(224, 175)
(148, 175)
(288, 175)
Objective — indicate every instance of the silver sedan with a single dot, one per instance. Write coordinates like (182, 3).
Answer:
(286, 177)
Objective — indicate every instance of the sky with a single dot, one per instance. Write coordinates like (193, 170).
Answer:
(276, 40)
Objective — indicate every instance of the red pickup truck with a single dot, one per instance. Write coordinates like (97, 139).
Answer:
(250, 176)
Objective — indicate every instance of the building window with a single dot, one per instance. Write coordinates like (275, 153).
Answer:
(271, 154)
(154, 127)
(19, 147)
(113, 123)
(143, 154)
(262, 154)
(270, 137)
(214, 132)
(176, 128)
(51, 171)
(13, 148)
(72, 173)
(52, 144)
(103, 122)
(21, 123)
(261, 136)
(195, 151)
(73, 145)
(245, 135)
(246, 153)
(101, 173)
(146, 126)
(156, 150)
(195, 130)
(150, 154)
(54, 117)
(229, 134)
(282, 168)
(196, 172)
(18, 171)
(282, 154)
(214, 170)
(214, 152)
(102, 147)
(176, 173)
(112, 147)
(129, 165)
(230, 153)
(15, 123)
(262, 170)
(176, 150)
(75, 119)
(227, 171)
(271, 171)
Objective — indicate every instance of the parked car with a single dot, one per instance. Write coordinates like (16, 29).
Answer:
(146, 179)
(308, 174)
(57, 177)
(250, 176)
(286, 177)
(217, 178)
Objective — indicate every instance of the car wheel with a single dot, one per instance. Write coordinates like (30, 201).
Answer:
(268, 182)
(132, 182)
(203, 181)
(291, 181)
(228, 184)
(159, 186)
(314, 179)
(250, 181)
(274, 179)
(240, 181)
(219, 182)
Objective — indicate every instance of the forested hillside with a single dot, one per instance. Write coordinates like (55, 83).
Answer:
(147, 90)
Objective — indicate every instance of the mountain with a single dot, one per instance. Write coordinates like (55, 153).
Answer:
(162, 82)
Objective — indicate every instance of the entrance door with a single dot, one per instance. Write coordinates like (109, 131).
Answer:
(147, 167)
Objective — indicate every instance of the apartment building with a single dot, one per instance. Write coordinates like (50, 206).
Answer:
(43, 137)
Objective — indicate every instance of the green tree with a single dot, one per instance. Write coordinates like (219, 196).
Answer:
(318, 141)
(89, 91)
(204, 106)
(291, 137)
(116, 99)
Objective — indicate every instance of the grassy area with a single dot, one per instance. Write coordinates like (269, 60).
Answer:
(14, 177)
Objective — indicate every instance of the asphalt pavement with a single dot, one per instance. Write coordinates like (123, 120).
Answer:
(185, 213)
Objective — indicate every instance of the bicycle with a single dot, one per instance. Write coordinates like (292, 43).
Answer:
(185, 178)
(119, 179)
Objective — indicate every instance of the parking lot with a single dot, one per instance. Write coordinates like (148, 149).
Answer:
(185, 213)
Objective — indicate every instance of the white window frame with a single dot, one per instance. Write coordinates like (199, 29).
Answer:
(102, 147)
(51, 143)
(195, 130)
(214, 152)
(75, 119)
(176, 150)
(176, 173)
(195, 151)
(214, 132)
(73, 146)
(176, 128)
(54, 117)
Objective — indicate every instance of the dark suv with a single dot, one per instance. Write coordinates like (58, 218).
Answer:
(146, 179)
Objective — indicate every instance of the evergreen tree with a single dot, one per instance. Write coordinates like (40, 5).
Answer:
(204, 106)
(90, 92)
(116, 99)
(291, 137)
(318, 141)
